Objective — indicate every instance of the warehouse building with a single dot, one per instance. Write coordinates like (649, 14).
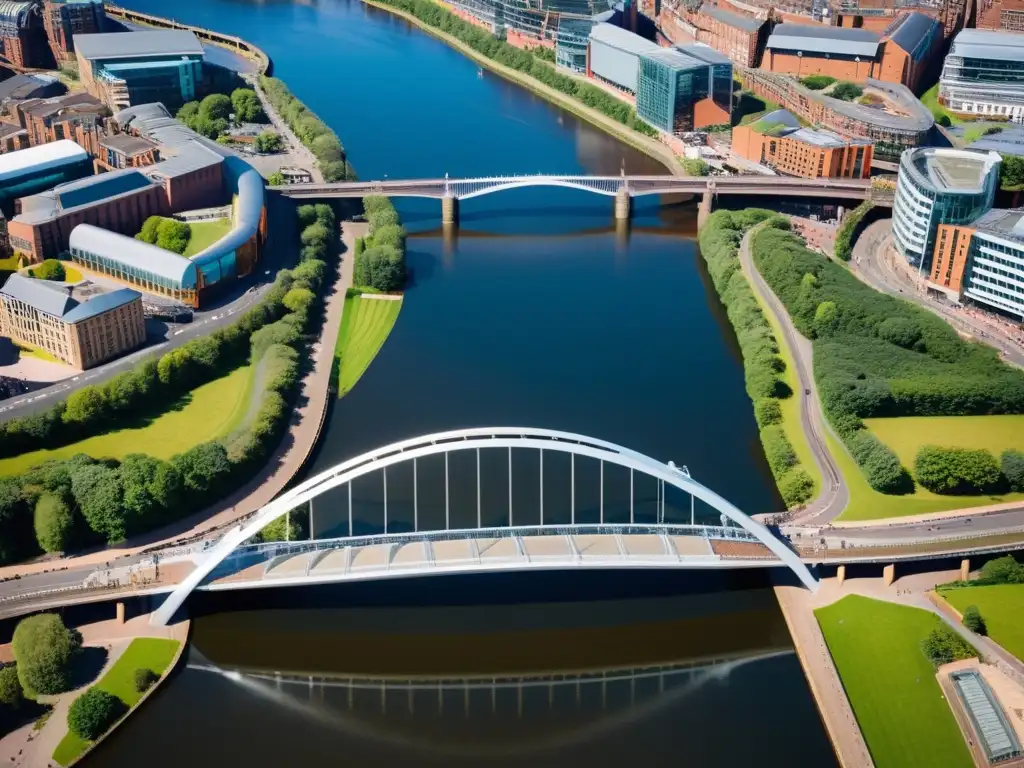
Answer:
(30, 170)
(778, 141)
(983, 75)
(81, 334)
(123, 69)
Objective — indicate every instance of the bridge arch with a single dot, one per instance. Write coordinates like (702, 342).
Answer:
(471, 439)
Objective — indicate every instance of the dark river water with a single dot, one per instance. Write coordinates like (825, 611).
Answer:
(538, 313)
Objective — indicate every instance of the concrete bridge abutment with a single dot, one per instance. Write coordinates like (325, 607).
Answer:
(449, 210)
(707, 205)
(623, 204)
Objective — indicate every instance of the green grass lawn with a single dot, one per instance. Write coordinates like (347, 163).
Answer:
(1002, 607)
(891, 685)
(205, 234)
(930, 99)
(364, 329)
(42, 354)
(213, 410)
(153, 653)
(71, 275)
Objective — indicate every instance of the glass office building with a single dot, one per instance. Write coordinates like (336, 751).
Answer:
(984, 75)
(939, 186)
(670, 83)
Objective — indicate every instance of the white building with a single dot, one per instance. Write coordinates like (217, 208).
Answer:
(984, 75)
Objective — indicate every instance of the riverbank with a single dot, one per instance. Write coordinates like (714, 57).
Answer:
(650, 147)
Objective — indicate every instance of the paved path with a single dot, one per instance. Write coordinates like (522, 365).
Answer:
(296, 149)
(834, 494)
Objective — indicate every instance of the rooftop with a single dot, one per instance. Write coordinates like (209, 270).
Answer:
(997, 735)
(128, 250)
(954, 170)
(914, 33)
(624, 40)
(675, 59)
(92, 189)
(29, 86)
(101, 303)
(782, 122)
(127, 144)
(69, 102)
(52, 155)
(988, 44)
(705, 53)
(39, 294)
(1009, 141)
(843, 41)
(184, 158)
(126, 45)
(732, 19)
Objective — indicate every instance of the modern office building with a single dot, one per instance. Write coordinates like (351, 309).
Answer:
(899, 55)
(79, 333)
(64, 19)
(614, 55)
(936, 187)
(984, 75)
(778, 141)
(123, 69)
(37, 168)
(679, 92)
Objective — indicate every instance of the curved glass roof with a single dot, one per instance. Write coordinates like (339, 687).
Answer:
(136, 255)
(248, 187)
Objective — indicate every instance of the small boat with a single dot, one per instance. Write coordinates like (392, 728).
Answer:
(479, 71)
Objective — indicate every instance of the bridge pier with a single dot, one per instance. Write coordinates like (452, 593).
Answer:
(449, 210)
(707, 205)
(623, 204)
(965, 569)
(889, 574)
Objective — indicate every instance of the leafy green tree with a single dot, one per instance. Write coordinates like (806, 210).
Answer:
(173, 235)
(326, 216)
(1011, 463)
(268, 141)
(92, 713)
(98, 492)
(86, 406)
(11, 694)
(767, 411)
(694, 166)
(276, 179)
(315, 233)
(203, 468)
(141, 507)
(210, 128)
(826, 319)
(44, 650)
(1002, 570)
(944, 646)
(246, 106)
(901, 331)
(1011, 173)
(15, 522)
(216, 106)
(54, 523)
(188, 113)
(284, 528)
(148, 232)
(50, 269)
(956, 470)
(306, 214)
(796, 486)
(382, 268)
(299, 299)
(973, 620)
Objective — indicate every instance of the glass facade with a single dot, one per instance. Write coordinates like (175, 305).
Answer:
(133, 273)
(939, 186)
(995, 272)
(667, 89)
(171, 81)
(36, 181)
(984, 86)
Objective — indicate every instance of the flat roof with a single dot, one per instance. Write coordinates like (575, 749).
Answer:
(1003, 222)
(997, 735)
(126, 143)
(732, 19)
(52, 155)
(953, 170)
(102, 186)
(186, 158)
(782, 122)
(821, 39)
(1009, 141)
(624, 40)
(704, 53)
(675, 59)
(127, 45)
(988, 44)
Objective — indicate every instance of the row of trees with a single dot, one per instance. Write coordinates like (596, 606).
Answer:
(876, 355)
(968, 471)
(310, 129)
(169, 234)
(849, 230)
(763, 367)
(380, 256)
(527, 62)
(211, 116)
(318, 231)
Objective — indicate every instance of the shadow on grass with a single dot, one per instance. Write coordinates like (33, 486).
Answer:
(87, 666)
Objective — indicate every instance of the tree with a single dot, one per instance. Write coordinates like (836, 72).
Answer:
(173, 235)
(694, 166)
(188, 112)
(956, 470)
(944, 646)
(148, 232)
(44, 650)
(268, 141)
(826, 319)
(50, 269)
(299, 299)
(210, 128)
(92, 713)
(144, 679)
(1011, 172)
(284, 528)
(306, 214)
(87, 406)
(315, 233)
(1011, 463)
(901, 331)
(973, 621)
(202, 468)
(944, 121)
(246, 105)
(276, 179)
(216, 106)
(54, 523)
(11, 693)
(98, 492)
(1002, 570)
(141, 508)
(845, 91)
(767, 411)
(382, 268)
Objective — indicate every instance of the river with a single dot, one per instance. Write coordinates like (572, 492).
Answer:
(539, 313)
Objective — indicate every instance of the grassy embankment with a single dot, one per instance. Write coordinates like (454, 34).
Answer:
(211, 411)
(365, 327)
(151, 653)
(1000, 606)
(891, 684)
(205, 234)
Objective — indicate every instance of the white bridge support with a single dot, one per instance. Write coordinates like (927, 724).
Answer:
(444, 443)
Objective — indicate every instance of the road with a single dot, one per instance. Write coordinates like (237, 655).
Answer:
(834, 494)
(872, 263)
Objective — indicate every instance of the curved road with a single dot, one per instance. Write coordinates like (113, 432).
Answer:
(834, 494)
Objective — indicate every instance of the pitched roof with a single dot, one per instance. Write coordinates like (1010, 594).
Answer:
(101, 303)
(914, 33)
(38, 294)
(127, 144)
(821, 39)
(29, 87)
(127, 45)
(732, 19)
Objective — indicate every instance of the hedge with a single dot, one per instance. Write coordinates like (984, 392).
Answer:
(849, 229)
(762, 366)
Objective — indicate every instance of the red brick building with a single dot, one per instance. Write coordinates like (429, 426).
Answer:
(63, 20)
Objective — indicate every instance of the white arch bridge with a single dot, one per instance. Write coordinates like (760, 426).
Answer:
(614, 541)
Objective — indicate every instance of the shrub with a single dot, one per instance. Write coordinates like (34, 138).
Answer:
(817, 82)
(694, 166)
(973, 621)
(849, 229)
(845, 91)
(306, 214)
(50, 269)
(956, 470)
(54, 523)
(144, 679)
(268, 141)
(1002, 570)
(767, 411)
(777, 449)
(944, 121)
(44, 650)
(944, 646)
(92, 713)
(796, 486)
(11, 693)
(1011, 464)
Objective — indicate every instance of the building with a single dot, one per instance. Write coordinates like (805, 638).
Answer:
(936, 187)
(984, 75)
(614, 55)
(22, 34)
(75, 116)
(122, 150)
(1006, 15)
(37, 168)
(900, 55)
(80, 333)
(123, 69)
(780, 142)
(1008, 141)
(738, 37)
(679, 92)
(63, 19)
(894, 122)
(30, 86)
(12, 138)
